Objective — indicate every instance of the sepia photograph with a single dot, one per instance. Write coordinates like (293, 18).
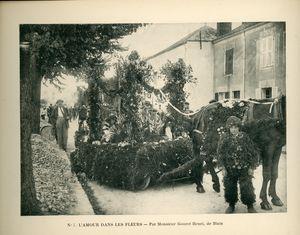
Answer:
(153, 118)
(149, 117)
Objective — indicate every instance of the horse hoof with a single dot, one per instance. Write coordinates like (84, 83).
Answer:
(229, 210)
(251, 209)
(200, 190)
(216, 187)
(265, 206)
(276, 202)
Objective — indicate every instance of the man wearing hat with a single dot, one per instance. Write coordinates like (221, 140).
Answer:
(239, 157)
(109, 129)
(61, 117)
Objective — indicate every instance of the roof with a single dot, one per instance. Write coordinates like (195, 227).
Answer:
(243, 27)
(208, 34)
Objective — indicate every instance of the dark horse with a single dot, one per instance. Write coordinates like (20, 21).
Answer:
(265, 122)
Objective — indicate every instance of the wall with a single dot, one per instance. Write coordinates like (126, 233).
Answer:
(158, 61)
(234, 81)
(272, 76)
(202, 65)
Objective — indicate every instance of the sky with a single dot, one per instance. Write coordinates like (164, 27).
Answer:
(152, 38)
(147, 41)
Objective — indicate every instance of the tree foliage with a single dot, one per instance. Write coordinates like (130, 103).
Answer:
(177, 75)
(72, 47)
(133, 73)
(68, 48)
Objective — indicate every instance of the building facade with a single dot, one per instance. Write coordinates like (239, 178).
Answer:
(246, 62)
(249, 62)
(196, 49)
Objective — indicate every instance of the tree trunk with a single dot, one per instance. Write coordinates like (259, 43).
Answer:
(178, 171)
(29, 203)
(36, 81)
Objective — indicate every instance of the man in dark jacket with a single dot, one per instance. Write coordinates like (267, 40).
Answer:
(61, 117)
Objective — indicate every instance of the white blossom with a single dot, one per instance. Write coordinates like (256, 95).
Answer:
(241, 104)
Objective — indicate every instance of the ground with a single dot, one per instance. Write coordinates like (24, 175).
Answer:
(179, 198)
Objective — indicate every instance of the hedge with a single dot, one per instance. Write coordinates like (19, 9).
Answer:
(127, 167)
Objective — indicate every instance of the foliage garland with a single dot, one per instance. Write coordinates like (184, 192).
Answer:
(126, 166)
(215, 120)
(132, 73)
(237, 152)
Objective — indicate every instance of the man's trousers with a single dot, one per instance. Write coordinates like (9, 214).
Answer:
(62, 133)
(231, 180)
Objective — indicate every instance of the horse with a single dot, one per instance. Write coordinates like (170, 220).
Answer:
(264, 120)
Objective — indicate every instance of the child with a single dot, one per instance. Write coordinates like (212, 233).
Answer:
(239, 157)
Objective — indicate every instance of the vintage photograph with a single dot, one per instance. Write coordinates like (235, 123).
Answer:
(153, 118)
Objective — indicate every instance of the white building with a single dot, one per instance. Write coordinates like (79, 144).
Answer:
(196, 49)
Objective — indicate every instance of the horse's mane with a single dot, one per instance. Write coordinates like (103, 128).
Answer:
(200, 118)
(254, 109)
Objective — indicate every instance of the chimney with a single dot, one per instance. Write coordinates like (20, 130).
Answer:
(223, 28)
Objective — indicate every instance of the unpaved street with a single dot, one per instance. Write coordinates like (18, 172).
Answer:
(180, 198)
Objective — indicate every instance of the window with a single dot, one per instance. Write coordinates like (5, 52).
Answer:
(267, 92)
(236, 94)
(229, 61)
(267, 52)
(222, 95)
(216, 96)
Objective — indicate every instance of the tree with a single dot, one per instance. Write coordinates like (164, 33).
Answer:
(133, 73)
(54, 50)
(177, 75)
(94, 120)
(29, 203)
(73, 49)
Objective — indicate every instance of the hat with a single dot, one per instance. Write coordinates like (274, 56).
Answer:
(59, 101)
(233, 121)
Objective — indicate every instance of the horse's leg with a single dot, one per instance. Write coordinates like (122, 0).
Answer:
(267, 155)
(214, 176)
(197, 174)
(197, 170)
(274, 175)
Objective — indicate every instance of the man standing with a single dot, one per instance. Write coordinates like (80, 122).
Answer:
(61, 118)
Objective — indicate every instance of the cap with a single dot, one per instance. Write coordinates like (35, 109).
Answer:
(233, 121)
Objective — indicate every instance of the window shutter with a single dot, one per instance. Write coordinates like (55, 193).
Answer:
(273, 51)
(229, 61)
(275, 91)
(258, 53)
(258, 93)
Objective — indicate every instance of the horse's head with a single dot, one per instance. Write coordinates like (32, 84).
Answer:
(279, 108)
(282, 102)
